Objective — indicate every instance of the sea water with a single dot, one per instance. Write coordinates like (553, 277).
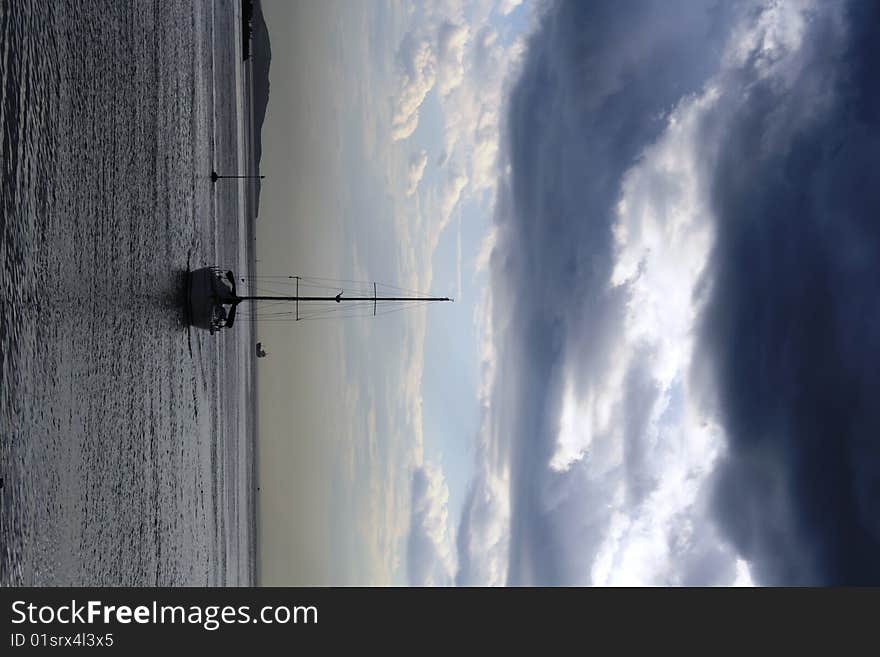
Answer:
(125, 437)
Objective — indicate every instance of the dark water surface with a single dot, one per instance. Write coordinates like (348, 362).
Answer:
(125, 445)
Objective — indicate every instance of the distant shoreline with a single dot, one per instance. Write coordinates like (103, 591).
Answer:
(255, 82)
(251, 210)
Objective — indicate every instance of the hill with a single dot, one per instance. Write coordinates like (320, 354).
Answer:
(262, 57)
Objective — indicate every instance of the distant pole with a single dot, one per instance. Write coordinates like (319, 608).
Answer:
(216, 176)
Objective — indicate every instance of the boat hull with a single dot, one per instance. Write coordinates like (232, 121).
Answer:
(202, 297)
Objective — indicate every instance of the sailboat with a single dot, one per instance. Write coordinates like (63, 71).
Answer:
(213, 300)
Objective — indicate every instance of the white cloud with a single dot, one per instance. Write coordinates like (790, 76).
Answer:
(430, 559)
(506, 7)
(451, 42)
(472, 110)
(485, 536)
(417, 163)
(419, 230)
(417, 68)
(440, 52)
(484, 533)
(451, 193)
(468, 75)
(487, 246)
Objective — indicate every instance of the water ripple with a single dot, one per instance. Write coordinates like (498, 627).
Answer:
(110, 461)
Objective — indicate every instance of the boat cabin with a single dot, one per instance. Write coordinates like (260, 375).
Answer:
(212, 299)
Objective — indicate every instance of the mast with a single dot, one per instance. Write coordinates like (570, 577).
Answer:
(339, 298)
(212, 299)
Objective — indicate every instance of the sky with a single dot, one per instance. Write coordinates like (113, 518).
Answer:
(658, 221)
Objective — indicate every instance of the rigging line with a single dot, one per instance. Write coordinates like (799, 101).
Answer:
(349, 312)
(391, 311)
(269, 314)
(267, 304)
(320, 280)
(360, 313)
(367, 284)
(313, 306)
(319, 306)
(288, 317)
(335, 312)
(314, 312)
(305, 290)
(325, 283)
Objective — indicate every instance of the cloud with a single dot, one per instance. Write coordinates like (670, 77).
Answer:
(471, 108)
(483, 535)
(430, 559)
(487, 246)
(484, 529)
(451, 42)
(589, 415)
(792, 325)
(417, 72)
(415, 171)
(468, 75)
(506, 7)
(450, 194)
(677, 384)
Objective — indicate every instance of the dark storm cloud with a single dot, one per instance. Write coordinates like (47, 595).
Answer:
(793, 318)
(596, 82)
(791, 328)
